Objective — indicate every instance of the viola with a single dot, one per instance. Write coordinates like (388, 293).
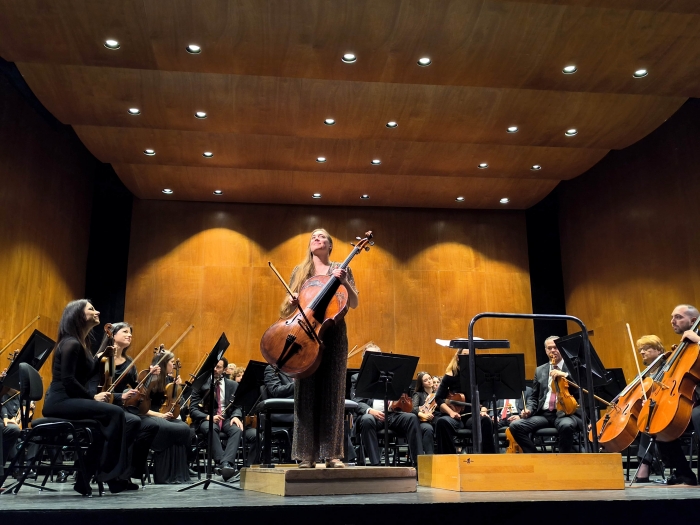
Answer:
(106, 366)
(172, 398)
(429, 405)
(565, 401)
(666, 412)
(457, 401)
(294, 344)
(145, 384)
(402, 404)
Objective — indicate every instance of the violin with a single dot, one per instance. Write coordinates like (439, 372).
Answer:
(294, 344)
(142, 399)
(666, 412)
(106, 366)
(429, 408)
(402, 404)
(457, 401)
(565, 401)
(172, 398)
(513, 447)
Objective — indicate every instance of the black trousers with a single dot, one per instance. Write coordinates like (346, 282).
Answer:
(446, 430)
(233, 435)
(427, 437)
(10, 433)
(139, 434)
(403, 423)
(566, 425)
(672, 452)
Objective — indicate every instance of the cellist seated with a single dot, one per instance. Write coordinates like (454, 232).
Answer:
(541, 410)
(371, 418)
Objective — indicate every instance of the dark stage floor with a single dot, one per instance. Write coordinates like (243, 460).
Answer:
(164, 504)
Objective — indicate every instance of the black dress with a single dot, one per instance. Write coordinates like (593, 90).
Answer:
(68, 398)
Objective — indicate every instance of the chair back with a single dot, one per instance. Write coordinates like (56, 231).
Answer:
(31, 387)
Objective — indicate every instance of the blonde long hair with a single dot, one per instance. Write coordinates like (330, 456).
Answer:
(303, 271)
(453, 367)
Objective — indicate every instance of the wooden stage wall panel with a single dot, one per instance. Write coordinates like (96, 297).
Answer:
(628, 237)
(45, 199)
(429, 273)
(518, 472)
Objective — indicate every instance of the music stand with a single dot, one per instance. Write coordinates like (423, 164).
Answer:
(34, 352)
(498, 376)
(248, 394)
(204, 374)
(385, 376)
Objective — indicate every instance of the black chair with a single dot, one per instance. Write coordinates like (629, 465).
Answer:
(52, 435)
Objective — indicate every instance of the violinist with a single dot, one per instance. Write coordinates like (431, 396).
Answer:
(68, 398)
(682, 319)
(238, 374)
(319, 400)
(230, 371)
(541, 411)
(371, 417)
(424, 407)
(144, 429)
(453, 418)
(174, 437)
(226, 422)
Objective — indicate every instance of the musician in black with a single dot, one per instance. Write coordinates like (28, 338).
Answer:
(541, 410)
(424, 410)
(452, 420)
(10, 426)
(227, 419)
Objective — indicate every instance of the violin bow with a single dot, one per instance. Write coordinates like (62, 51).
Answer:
(636, 361)
(19, 334)
(133, 362)
(179, 339)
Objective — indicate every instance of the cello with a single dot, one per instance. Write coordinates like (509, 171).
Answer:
(294, 345)
(666, 412)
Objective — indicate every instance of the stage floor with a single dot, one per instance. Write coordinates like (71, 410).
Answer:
(164, 503)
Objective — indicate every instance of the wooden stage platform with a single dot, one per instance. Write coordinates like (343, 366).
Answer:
(163, 504)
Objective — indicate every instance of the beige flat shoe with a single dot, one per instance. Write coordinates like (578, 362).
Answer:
(334, 463)
(307, 464)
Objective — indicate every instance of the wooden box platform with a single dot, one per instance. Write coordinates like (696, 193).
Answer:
(292, 481)
(512, 472)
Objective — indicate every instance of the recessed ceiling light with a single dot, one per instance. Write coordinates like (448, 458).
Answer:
(329, 121)
(571, 132)
(349, 58)
(364, 197)
(149, 152)
(194, 49)
(218, 192)
(207, 154)
(424, 62)
(200, 114)
(483, 166)
(134, 111)
(536, 167)
(569, 70)
(504, 200)
(376, 162)
(112, 44)
(168, 191)
(316, 195)
(512, 129)
(460, 199)
(321, 160)
(640, 73)
(392, 124)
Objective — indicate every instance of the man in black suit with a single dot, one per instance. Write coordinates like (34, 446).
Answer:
(228, 423)
(541, 409)
(371, 417)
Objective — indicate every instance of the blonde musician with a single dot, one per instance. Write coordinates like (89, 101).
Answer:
(424, 406)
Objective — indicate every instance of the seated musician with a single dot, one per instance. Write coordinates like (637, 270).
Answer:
(227, 422)
(10, 426)
(371, 418)
(649, 347)
(541, 411)
(280, 386)
(238, 374)
(453, 420)
(425, 411)
(230, 371)
(682, 319)
(510, 409)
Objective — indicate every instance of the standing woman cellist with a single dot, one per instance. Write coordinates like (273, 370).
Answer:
(68, 397)
(319, 400)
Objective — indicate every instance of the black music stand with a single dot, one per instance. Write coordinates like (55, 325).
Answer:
(34, 352)
(498, 376)
(204, 374)
(248, 394)
(385, 376)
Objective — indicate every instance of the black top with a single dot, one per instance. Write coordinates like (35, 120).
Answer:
(73, 367)
(448, 384)
(11, 406)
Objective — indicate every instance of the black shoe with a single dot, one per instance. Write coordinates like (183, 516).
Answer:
(62, 476)
(192, 472)
(677, 479)
(82, 488)
(120, 485)
(227, 471)
(642, 480)
(236, 478)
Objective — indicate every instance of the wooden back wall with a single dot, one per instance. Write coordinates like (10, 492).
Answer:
(629, 246)
(430, 272)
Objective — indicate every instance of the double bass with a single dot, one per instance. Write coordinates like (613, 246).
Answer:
(294, 345)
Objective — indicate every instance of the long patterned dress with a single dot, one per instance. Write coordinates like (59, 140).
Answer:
(319, 400)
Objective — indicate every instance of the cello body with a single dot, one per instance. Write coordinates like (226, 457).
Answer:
(289, 344)
(666, 413)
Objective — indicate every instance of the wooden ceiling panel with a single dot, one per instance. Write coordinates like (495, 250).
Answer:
(286, 106)
(492, 43)
(337, 189)
(269, 152)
